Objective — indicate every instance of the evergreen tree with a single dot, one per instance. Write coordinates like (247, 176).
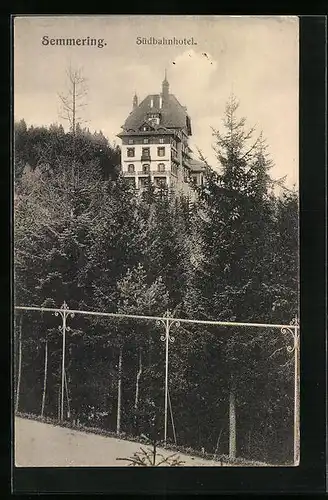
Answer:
(237, 226)
(162, 239)
(139, 296)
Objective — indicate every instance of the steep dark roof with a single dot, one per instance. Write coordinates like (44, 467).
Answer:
(173, 115)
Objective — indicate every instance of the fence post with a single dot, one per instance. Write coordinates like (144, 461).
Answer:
(296, 396)
(167, 333)
(293, 329)
(63, 369)
(64, 312)
(167, 321)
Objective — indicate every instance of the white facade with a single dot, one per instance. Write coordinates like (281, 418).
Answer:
(155, 158)
(149, 160)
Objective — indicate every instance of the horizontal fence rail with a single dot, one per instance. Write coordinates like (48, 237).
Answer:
(156, 318)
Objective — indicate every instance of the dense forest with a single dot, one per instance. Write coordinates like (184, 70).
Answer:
(83, 236)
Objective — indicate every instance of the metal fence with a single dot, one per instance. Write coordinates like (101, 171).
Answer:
(225, 388)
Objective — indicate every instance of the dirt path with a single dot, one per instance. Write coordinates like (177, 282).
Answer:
(44, 445)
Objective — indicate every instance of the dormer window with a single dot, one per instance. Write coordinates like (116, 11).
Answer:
(154, 118)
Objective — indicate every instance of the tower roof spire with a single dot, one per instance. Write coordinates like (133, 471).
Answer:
(165, 85)
(135, 100)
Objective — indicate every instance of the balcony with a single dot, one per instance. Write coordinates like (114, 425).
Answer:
(160, 172)
(142, 172)
(153, 173)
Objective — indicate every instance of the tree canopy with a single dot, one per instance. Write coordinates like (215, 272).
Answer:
(84, 236)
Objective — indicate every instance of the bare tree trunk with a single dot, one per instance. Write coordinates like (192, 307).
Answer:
(232, 420)
(217, 444)
(19, 374)
(119, 391)
(136, 401)
(172, 420)
(74, 106)
(59, 400)
(45, 377)
(73, 131)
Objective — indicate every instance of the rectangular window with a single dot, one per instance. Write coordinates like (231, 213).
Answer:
(146, 141)
(161, 140)
(174, 169)
(131, 141)
(130, 152)
(160, 151)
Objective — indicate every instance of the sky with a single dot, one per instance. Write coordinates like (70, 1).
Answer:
(255, 58)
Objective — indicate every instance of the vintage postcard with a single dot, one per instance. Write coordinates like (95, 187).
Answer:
(156, 241)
